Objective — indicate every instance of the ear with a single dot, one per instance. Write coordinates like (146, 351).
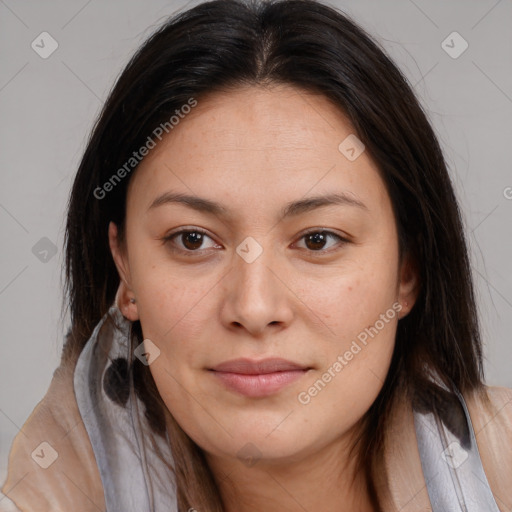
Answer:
(409, 285)
(125, 297)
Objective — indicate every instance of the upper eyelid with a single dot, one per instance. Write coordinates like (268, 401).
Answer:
(186, 230)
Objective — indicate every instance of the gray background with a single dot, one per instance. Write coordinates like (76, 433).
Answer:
(47, 107)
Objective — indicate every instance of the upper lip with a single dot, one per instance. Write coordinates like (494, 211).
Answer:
(252, 367)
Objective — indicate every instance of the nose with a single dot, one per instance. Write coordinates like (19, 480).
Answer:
(257, 296)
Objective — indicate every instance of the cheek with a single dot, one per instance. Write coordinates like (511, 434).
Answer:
(342, 391)
(361, 310)
(352, 298)
(189, 407)
(172, 303)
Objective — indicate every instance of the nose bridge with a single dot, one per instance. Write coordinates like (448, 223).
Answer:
(257, 297)
(253, 261)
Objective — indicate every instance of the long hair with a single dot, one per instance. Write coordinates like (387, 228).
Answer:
(223, 44)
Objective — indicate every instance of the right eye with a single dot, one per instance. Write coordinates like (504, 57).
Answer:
(190, 240)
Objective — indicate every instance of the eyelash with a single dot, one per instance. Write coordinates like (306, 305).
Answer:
(187, 252)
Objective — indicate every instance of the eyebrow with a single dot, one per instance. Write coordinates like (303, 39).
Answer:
(291, 209)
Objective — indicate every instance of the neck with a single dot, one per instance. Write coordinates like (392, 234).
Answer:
(326, 480)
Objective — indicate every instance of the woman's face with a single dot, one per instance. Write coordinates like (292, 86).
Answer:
(255, 285)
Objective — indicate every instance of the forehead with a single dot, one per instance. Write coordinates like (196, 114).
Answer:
(258, 146)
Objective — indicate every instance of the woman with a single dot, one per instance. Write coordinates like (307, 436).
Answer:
(271, 299)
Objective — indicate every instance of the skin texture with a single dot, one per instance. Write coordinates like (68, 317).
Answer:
(254, 150)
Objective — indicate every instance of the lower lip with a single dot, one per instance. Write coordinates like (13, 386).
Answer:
(257, 386)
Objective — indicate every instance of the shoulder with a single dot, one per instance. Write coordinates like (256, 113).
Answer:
(491, 414)
(51, 463)
(490, 409)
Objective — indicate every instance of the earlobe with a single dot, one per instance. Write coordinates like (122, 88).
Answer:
(126, 302)
(409, 285)
(125, 297)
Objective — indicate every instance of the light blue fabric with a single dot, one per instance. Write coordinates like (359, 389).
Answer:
(449, 455)
(134, 478)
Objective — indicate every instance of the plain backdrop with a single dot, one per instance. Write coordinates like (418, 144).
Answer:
(48, 106)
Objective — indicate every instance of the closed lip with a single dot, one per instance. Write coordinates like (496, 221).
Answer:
(246, 366)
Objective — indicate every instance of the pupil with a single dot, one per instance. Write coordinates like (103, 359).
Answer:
(318, 240)
(192, 240)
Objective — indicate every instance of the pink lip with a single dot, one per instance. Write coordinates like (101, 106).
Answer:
(258, 378)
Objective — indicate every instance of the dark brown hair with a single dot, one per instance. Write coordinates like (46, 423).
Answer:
(222, 44)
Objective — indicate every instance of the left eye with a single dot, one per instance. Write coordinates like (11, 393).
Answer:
(315, 240)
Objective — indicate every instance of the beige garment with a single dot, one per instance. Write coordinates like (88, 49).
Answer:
(403, 487)
(72, 482)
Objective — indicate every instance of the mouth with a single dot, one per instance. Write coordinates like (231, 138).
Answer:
(257, 379)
